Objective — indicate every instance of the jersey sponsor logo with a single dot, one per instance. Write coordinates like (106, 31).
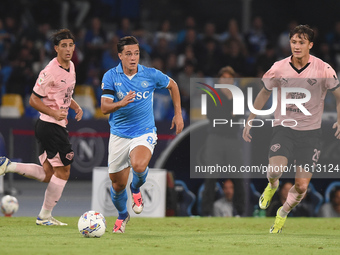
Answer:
(64, 81)
(118, 84)
(297, 95)
(311, 81)
(142, 95)
(139, 95)
(275, 147)
(68, 95)
(144, 84)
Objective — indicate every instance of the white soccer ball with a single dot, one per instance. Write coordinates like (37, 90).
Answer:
(92, 224)
(9, 205)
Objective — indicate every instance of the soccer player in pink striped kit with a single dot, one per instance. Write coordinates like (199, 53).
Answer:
(301, 140)
(52, 97)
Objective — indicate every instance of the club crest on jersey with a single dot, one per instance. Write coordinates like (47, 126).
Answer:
(120, 95)
(144, 84)
(311, 81)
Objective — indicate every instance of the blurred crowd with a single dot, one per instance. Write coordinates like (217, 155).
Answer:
(186, 53)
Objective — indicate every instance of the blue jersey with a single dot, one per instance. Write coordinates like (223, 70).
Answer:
(136, 118)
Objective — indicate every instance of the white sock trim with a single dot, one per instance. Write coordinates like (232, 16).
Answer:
(11, 167)
(283, 213)
(44, 214)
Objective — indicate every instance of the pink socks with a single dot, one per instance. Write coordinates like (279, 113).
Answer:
(293, 199)
(272, 175)
(28, 170)
(52, 195)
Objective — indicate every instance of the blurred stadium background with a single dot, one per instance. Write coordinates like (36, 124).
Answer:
(183, 38)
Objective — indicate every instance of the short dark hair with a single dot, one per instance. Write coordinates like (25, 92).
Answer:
(127, 40)
(303, 30)
(61, 34)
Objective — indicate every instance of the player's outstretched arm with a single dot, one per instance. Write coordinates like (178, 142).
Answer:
(260, 100)
(79, 112)
(177, 120)
(336, 125)
(109, 106)
(37, 104)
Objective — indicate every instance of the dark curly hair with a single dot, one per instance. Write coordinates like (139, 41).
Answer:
(303, 31)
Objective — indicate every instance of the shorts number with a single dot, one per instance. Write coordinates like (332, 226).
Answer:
(149, 140)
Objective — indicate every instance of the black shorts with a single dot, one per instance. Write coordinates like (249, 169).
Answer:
(53, 139)
(301, 147)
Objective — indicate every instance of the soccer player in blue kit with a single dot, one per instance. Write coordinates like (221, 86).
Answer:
(128, 98)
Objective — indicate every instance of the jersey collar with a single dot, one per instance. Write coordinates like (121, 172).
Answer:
(140, 68)
(67, 70)
(303, 68)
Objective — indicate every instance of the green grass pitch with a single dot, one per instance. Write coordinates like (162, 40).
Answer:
(173, 235)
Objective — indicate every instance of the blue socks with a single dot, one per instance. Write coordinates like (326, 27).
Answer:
(138, 180)
(119, 199)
